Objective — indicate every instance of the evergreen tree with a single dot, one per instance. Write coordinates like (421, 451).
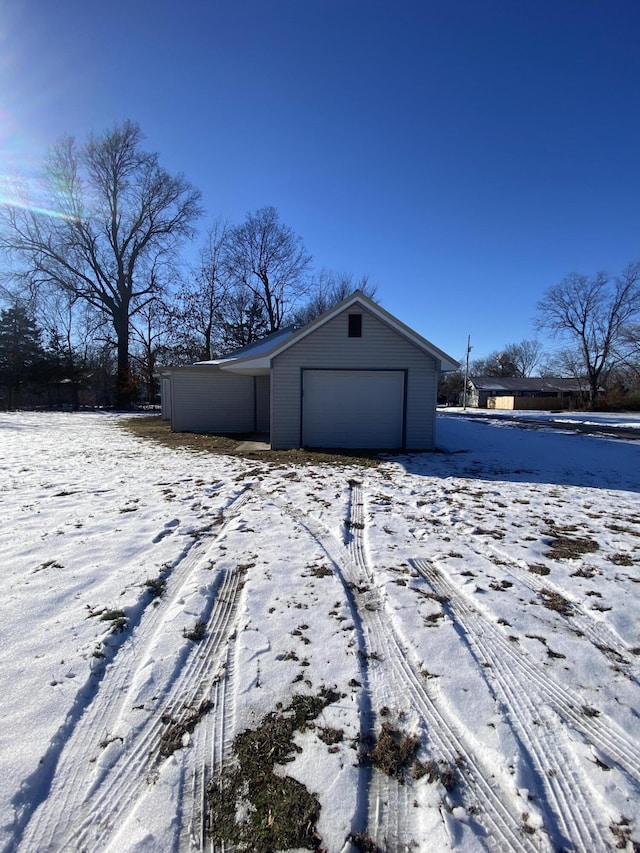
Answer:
(22, 357)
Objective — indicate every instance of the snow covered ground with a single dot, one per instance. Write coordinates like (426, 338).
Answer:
(621, 419)
(466, 622)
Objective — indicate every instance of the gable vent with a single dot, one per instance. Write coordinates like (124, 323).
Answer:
(355, 325)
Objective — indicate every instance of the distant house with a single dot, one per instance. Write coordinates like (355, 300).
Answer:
(354, 377)
(516, 392)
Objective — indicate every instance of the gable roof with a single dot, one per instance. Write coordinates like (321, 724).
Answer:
(256, 348)
(261, 361)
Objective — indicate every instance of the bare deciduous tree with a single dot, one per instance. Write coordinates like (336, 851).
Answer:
(327, 289)
(112, 218)
(629, 349)
(264, 257)
(201, 301)
(150, 343)
(525, 356)
(242, 320)
(497, 363)
(594, 312)
(514, 360)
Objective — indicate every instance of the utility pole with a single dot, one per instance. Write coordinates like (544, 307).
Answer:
(466, 374)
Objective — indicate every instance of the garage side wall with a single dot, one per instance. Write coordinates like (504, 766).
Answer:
(208, 400)
(165, 398)
(263, 390)
(329, 347)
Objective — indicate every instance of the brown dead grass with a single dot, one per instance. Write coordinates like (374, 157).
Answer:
(279, 812)
(394, 752)
(570, 547)
(153, 428)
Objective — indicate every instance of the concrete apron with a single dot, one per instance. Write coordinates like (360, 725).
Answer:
(250, 446)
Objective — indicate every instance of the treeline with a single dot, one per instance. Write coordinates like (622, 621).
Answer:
(58, 351)
(95, 278)
(596, 321)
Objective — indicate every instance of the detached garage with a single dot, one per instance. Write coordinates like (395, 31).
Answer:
(355, 377)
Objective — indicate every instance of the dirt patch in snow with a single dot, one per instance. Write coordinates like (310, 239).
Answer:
(152, 427)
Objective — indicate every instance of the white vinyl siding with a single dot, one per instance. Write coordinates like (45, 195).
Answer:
(165, 398)
(352, 408)
(263, 403)
(204, 399)
(329, 347)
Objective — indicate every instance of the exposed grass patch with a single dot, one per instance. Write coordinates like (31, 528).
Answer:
(555, 655)
(620, 559)
(331, 736)
(611, 653)
(394, 752)
(173, 737)
(320, 571)
(49, 564)
(554, 601)
(584, 572)
(437, 771)
(621, 831)
(252, 807)
(538, 569)
(156, 586)
(118, 618)
(364, 843)
(500, 586)
(195, 634)
(434, 596)
(483, 531)
(565, 547)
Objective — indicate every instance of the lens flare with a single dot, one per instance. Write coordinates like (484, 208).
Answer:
(13, 195)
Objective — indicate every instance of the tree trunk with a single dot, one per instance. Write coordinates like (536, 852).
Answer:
(125, 385)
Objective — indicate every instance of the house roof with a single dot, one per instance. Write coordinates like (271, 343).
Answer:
(254, 349)
(509, 384)
(259, 361)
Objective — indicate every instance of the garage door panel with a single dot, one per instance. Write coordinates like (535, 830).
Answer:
(353, 408)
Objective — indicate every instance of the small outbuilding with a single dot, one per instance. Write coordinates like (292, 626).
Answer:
(517, 392)
(355, 377)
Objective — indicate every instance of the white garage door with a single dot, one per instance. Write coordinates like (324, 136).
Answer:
(352, 408)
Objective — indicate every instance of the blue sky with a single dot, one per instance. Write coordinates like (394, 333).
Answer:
(465, 154)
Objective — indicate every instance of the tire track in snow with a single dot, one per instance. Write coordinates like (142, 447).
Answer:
(600, 732)
(391, 814)
(602, 636)
(499, 814)
(194, 688)
(335, 551)
(570, 811)
(211, 751)
(77, 790)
